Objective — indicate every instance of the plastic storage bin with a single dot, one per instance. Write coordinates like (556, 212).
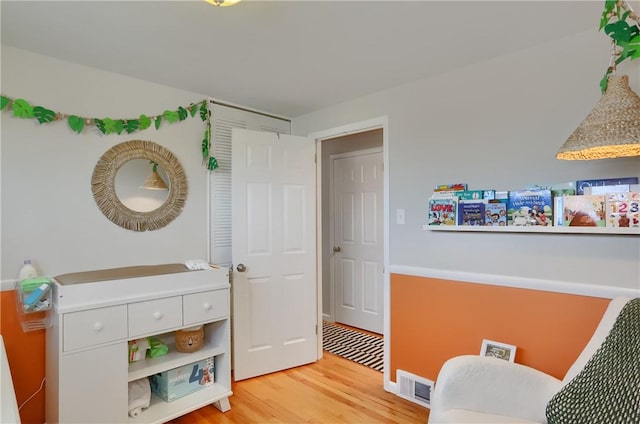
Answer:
(33, 301)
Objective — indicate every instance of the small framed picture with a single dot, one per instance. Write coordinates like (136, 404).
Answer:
(498, 350)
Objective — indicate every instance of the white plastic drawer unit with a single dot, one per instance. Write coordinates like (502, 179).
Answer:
(205, 306)
(155, 316)
(95, 326)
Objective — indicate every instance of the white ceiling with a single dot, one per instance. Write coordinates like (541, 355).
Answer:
(288, 58)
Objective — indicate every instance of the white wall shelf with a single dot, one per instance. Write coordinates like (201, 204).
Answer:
(538, 229)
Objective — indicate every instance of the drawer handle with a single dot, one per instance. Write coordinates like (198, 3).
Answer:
(157, 315)
(98, 326)
(207, 306)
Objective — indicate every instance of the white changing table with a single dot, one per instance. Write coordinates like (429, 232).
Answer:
(97, 312)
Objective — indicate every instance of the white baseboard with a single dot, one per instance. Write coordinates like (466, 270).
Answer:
(391, 386)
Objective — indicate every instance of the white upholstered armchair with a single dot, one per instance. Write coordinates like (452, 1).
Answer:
(476, 389)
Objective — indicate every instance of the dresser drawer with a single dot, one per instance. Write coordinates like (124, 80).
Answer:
(155, 316)
(94, 327)
(205, 306)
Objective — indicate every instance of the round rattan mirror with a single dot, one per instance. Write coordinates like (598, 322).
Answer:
(104, 190)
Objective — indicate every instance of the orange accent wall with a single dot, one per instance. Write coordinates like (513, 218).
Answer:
(433, 320)
(26, 355)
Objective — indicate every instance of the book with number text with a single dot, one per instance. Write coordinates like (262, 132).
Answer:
(623, 209)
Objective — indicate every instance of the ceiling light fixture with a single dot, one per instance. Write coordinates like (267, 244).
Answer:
(154, 181)
(612, 129)
(222, 2)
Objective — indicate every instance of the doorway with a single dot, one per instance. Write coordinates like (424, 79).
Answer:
(356, 238)
(352, 270)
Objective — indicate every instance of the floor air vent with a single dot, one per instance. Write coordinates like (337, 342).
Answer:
(414, 388)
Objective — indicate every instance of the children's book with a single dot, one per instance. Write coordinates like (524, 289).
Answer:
(476, 194)
(471, 212)
(566, 188)
(623, 209)
(606, 189)
(582, 184)
(581, 211)
(557, 186)
(469, 194)
(557, 194)
(495, 214)
(530, 207)
(488, 194)
(442, 210)
(451, 187)
(502, 197)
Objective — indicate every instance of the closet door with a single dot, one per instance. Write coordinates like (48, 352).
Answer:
(223, 120)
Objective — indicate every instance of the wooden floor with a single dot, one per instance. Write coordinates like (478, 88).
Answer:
(332, 390)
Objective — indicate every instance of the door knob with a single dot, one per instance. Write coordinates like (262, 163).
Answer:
(241, 268)
(336, 248)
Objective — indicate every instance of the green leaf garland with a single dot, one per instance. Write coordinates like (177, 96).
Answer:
(132, 125)
(182, 113)
(624, 37)
(213, 164)
(621, 31)
(23, 109)
(204, 111)
(144, 122)
(608, 8)
(100, 124)
(76, 123)
(206, 143)
(170, 116)
(632, 49)
(111, 126)
(43, 115)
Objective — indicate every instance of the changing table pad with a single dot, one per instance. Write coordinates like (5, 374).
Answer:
(119, 273)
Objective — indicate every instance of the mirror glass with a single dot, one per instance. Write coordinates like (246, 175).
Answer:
(117, 178)
(128, 185)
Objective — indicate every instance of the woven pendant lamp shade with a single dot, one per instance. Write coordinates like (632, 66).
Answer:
(611, 130)
(154, 182)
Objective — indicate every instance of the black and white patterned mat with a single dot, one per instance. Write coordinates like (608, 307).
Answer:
(358, 347)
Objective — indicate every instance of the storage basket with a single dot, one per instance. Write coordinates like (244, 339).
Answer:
(190, 339)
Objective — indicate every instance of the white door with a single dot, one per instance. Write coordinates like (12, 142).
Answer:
(273, 252)
(358, 239)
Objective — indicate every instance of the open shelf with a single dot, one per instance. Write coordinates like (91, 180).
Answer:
(537, 229)
(160, 411)
(173, 359)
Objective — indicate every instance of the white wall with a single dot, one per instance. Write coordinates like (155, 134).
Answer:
(48, 211)
(497, 124)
